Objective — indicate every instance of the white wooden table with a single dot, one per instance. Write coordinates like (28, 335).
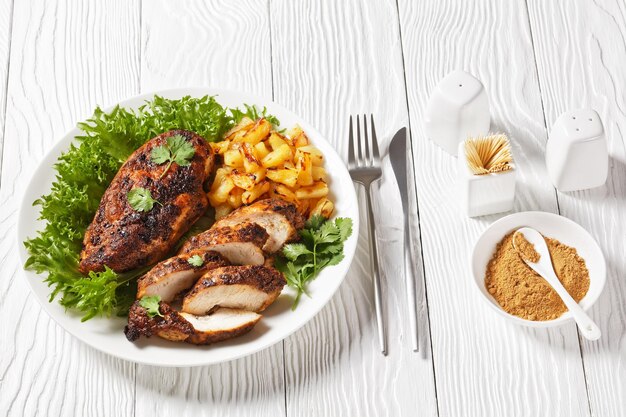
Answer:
(325, 61)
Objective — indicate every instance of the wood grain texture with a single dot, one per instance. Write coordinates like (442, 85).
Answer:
(331, 60)
(220, 44)
(64, 61)
(581, 51)
(6, 16)
(483, 365)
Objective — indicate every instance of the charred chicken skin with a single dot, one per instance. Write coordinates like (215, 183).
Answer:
(222, 324)
(251, 288)
(176, 274)
(241, 244)
(124, 238)
(279, 218)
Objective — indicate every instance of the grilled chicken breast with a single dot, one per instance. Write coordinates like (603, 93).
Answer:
(251, 288)
(123, 238)
(240, 243)
(278, 217)
(174, 275)
(222, 324)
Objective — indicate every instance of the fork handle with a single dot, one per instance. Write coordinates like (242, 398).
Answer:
(382, 338)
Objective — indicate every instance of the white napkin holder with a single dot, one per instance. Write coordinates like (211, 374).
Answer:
(457, 109)
(577, 157)
(484, 194)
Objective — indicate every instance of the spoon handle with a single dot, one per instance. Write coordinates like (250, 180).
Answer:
(588, 328)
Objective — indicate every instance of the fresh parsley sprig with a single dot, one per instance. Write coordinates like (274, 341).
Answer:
(321, 246)
(177, 149)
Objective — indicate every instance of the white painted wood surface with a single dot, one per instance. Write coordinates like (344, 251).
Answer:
(594, 77)
(327, 60)
(483, 365)
(65, 59)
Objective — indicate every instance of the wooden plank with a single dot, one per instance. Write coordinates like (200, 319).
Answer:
(483, 365)
(66, 57)
(581, 50)
(331, 60)
(6, 14)
(221, 44)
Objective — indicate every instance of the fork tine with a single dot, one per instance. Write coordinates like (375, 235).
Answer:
(359, 145)
(374, 142)
(351, 155)
(367, 158)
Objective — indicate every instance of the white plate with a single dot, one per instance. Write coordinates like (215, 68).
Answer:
(278, 321)
(550, 225)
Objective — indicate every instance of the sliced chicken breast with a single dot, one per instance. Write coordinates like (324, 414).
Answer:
(278, 217)
(222, 324)
(241, 244)
(178, 273)
(251, 288)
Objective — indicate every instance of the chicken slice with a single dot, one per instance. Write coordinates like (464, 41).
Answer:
(240, 243)
(222, 324)
(278, 217)
(251, 288)
(176, 274)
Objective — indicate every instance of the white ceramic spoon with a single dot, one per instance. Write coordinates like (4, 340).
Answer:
(543, 267)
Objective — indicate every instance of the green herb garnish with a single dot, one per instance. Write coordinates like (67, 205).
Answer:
(196, 260)
(151, 304)
(140, 199)
(322, 246)
(177, 149)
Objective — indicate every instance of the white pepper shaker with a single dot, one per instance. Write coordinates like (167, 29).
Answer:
(457, 109)
(577, 157)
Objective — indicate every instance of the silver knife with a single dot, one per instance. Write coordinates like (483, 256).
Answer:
(398, 154)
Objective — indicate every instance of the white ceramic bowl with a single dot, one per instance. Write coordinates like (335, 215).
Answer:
(550, 225)
(105, 334)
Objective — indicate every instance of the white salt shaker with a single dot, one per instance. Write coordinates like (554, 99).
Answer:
(484, 194)
(458, 108)
(577, 157)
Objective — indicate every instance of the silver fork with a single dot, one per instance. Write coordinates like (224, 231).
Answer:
(364, 167)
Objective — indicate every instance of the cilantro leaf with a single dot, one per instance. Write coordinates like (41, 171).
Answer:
(294, 250)
(196, 260)
(321, 246)
(177, 149)
(151, 304)
(140, 199)
(182, 150)
(160, 155)
(315, 222)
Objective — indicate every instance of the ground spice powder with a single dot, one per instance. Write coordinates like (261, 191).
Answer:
(522, 292)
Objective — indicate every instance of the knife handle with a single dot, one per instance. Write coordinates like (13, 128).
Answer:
(409, 278)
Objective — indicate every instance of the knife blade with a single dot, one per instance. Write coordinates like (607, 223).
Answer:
(398, 156)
